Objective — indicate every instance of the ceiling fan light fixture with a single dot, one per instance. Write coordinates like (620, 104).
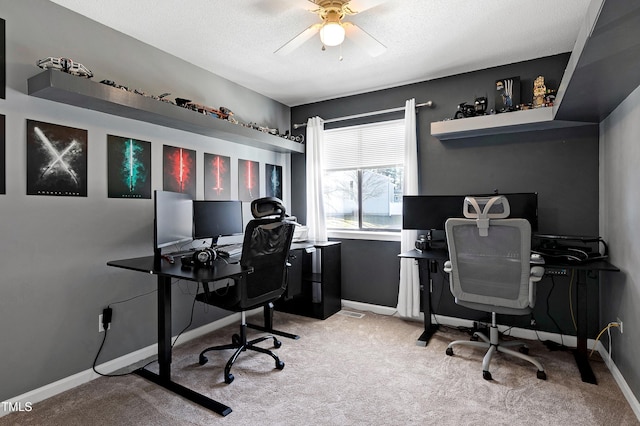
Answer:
(332, 34)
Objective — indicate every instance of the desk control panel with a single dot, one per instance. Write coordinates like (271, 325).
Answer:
(555, 270)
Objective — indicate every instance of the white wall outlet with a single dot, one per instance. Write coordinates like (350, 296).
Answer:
(100, 327)
(619, 321)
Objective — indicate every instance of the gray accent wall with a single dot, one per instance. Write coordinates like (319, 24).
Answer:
(561, 165)
(54, 279)
(620, 208)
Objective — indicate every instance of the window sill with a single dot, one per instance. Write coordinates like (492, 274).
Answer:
(364, 235)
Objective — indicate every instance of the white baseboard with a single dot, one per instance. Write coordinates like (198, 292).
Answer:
(619, 378)
(520, 333)
(52, 389)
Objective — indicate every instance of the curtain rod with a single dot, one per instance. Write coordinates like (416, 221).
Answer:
(367, 114)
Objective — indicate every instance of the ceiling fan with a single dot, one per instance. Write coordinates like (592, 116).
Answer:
(333, 29)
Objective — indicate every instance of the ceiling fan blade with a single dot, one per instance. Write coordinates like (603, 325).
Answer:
(361, 5)
(298, 40)
(364, 39)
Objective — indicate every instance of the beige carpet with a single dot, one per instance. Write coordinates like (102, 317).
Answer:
(349, 371)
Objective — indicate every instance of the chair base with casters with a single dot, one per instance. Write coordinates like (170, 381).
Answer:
(240, 344)
(494, 345)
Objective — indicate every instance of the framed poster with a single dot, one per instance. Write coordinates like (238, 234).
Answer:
(56, 160)
(273, 176)
(3, 60)
(3, 161)
(248, 180)
(217, 177)
(128, 168)
(179, 170)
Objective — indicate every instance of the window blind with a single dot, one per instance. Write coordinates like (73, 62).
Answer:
(365, 146)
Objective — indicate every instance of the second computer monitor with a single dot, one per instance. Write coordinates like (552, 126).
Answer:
(213, 219)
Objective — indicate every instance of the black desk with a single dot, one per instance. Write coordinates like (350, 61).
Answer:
(165, 272)
(580, 353)
(425, 260)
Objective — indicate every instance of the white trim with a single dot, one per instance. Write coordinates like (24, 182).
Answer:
(619, 378)
(108, 367)
(376, 309)
(364, 235)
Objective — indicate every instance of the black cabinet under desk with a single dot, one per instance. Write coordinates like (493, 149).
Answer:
(313, 292)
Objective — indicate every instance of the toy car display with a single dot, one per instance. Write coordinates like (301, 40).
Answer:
(66, 65)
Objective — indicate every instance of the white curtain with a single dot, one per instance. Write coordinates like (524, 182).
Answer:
(315, 165)
(409, 290)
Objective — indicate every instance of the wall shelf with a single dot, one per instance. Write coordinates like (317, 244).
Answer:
(603, 68)
(58, 86)
(510, 122)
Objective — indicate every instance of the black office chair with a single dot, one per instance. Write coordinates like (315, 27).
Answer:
(266, 246)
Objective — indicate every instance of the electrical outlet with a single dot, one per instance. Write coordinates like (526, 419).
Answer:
(619, 321)
(100, 327)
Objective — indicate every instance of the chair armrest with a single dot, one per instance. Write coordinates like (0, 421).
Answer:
(448, 267)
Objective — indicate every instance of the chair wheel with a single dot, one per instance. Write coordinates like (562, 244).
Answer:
(279, 365)
(277, 344)
(203, 360)
(541, 375)
(449, 351)
(229, 378)
(524, 350)
(487, 376)
(235, 339)
(474, 337)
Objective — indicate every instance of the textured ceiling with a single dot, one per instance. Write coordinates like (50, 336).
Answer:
(425, 39)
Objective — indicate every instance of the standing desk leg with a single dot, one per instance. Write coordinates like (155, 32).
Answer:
(580, 354)
(164, 355)
(425, 284)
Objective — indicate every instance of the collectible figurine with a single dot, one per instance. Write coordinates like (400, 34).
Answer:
(539, 92)
(65, 65)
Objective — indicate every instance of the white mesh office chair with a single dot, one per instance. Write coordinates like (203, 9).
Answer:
(490, 270)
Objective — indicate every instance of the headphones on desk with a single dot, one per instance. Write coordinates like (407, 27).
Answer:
(201, 258)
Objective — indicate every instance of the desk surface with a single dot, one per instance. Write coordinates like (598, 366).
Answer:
(592, 265)
(151, 265)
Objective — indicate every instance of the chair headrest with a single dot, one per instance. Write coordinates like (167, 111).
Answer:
(268, 206)
(484, 208)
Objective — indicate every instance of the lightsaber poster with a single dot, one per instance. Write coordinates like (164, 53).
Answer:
(179, 170)
(56, 160)
(129, 167)
(3, 163)
(273, 177)
(217, 177)
(248, 180)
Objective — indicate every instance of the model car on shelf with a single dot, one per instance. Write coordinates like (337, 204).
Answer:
(203, 109)
(66, 65)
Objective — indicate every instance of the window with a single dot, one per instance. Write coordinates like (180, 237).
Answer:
(363, 177)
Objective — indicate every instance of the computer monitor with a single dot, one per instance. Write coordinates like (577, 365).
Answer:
(424, 212)
(213, 219)
(172, 222)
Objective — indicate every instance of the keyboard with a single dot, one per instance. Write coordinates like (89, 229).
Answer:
(230, 250)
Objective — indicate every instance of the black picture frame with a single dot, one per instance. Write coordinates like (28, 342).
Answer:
(129, 168)
(56, 160)
(3, 61)
(3, 160)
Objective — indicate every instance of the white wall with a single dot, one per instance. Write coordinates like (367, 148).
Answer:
(620, 227)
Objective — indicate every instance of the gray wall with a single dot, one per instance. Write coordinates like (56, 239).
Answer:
(53, 250)
(620, 175)
(560, 165)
